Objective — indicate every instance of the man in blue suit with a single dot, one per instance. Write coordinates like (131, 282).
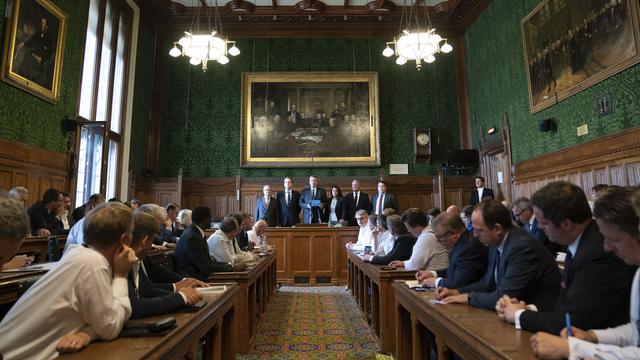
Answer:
(312, 201)
(288, 201)
(518, 266)
(267, 208)
(467, 256)
(523, 212)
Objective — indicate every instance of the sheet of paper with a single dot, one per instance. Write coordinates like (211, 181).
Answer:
(434, 301)
(412, 284)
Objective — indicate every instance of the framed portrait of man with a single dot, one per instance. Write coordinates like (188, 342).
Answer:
(313, 119)
(33, 47)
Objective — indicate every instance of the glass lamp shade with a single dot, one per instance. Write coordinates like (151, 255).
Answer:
(414, 46)
(401, 60)
(234, 51)
(387, 51)
(185, 41)
(194, 61)
(223, 59)
(175, 52)
(446, 48)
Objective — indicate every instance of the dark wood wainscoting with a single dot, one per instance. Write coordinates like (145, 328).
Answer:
(613, 159)
(33, 168)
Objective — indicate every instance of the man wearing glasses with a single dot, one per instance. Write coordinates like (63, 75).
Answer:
(523, 212)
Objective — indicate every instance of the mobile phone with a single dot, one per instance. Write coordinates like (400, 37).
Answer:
(162, 325)
(420, 289)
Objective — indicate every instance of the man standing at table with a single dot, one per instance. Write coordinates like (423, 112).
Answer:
(289, 199)
(354, 201)
(383, 200)
(481, 192)
(312, 201)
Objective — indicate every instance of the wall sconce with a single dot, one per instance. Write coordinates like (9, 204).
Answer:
(492, 130)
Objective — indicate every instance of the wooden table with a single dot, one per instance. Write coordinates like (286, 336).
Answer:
(470, 332)
(215, 324)
(14, 284)
(257, 285)
(312, 254)
(371, 287)
(38, 247)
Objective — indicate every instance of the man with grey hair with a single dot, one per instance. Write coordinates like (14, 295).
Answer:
(255, 234)
(21, 194)
(165, 238)
(365, 236)
(522, 211)
(14, 227)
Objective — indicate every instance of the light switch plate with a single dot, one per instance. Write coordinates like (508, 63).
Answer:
(583, 130)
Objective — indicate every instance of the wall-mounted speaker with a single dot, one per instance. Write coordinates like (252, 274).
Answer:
(547, 125)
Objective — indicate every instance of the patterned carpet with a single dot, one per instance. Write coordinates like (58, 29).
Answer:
(320, 322)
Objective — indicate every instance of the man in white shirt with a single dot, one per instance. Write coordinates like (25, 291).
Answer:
(427, 252)
(84, 297)
(223, 247)
(619, 225)
(365, 236)
(256, 233)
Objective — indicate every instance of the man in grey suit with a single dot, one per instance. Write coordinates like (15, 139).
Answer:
(517, 264)
(383, 200)
(267, 208)
(312, 200)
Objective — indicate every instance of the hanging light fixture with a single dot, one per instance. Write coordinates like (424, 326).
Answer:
(202, 47)
(416, 41)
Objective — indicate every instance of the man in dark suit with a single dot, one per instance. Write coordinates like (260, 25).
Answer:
(467, 256)
(523, 213)
(518, 266)
(192, 253)
(383, 200)
(312, 201)
(481, 192)
(288, 201)
(42, 215)
(354, 201)
(267, 208)
(147, 298)
(592, 280)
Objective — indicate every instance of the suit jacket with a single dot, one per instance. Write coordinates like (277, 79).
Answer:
(467, 262)
(402, 248)
(526, 271)
(242, 239)
(192, 256)
(350, 207)
(594, 293)
(539, 235)
(339, 210)
(486, 192)
(390, 201)
(313, 214)
(289, 214)
(41, 218)
(270, 214)
(149, 299)
(160, 275)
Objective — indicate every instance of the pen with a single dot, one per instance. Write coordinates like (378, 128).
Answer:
(567, 320)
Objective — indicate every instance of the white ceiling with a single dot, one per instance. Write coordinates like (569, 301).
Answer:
(293, 2)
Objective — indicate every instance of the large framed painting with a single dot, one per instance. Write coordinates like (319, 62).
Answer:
(313, 119)
(33, 47)
(571, 45)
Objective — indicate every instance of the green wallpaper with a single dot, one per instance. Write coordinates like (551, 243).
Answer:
(142, 98)
(31, 120)
(208, 144)
(498, 83)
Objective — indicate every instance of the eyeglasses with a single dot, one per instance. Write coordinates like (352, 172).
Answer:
(520, 213)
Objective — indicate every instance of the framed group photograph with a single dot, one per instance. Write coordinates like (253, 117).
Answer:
(314, 119)
(33, 47)
(571, 45)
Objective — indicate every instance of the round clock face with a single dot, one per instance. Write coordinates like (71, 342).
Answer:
(422, 139)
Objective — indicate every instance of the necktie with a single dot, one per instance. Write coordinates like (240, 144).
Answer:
(314, 194)
(355, 196)
(527, 227)
(496, 273)
(380, 203)
(568, 261)
(288, 197)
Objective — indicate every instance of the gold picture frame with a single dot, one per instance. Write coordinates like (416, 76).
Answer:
(571, 45)
(33, 47)
(310, 119)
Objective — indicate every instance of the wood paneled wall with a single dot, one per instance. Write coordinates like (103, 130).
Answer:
(613, 159)
(227, 195)
(33, 168)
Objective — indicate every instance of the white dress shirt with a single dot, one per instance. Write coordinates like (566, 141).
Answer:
(79, 293)
(480, 190)
(224, 249)
(613, 343)
(386, 244)
(365, 238)
(427, 253)
(76, 235)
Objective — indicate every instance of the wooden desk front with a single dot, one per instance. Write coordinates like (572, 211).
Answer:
(470, 332)
(371, 287)
(38, 247)
(215, 323)
(256, 288)
(312, 254)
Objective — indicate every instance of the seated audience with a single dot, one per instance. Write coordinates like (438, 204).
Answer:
(522, 211)
(365, 236)
(147, 298)
(192, 253)
(619, 225)
(175, 227)
(184, 217)
(256, 235)
(165, 239)
(467, 256)
(453, 209)
(79, 212)
(83, 298)
(43, 213)
(402, 243)
(135, 203)
(426, 253)
(465, 215)
(223, 247)
(63, 213)
(385, 239)
(518, 267)
(21, 194)
(244, 224)
(14, 228)
(433, 213)
(592, 280)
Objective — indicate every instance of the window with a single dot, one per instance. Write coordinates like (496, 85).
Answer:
(103, 98)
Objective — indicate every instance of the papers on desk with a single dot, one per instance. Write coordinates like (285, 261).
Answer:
(34, 267)
(212, 289)
(412, 284)
(434, 301)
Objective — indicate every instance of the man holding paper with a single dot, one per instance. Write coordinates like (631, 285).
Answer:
(312, 201)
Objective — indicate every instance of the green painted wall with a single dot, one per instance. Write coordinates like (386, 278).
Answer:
(498, 83)
(208, 145)
(29, 119)
(142, 92)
